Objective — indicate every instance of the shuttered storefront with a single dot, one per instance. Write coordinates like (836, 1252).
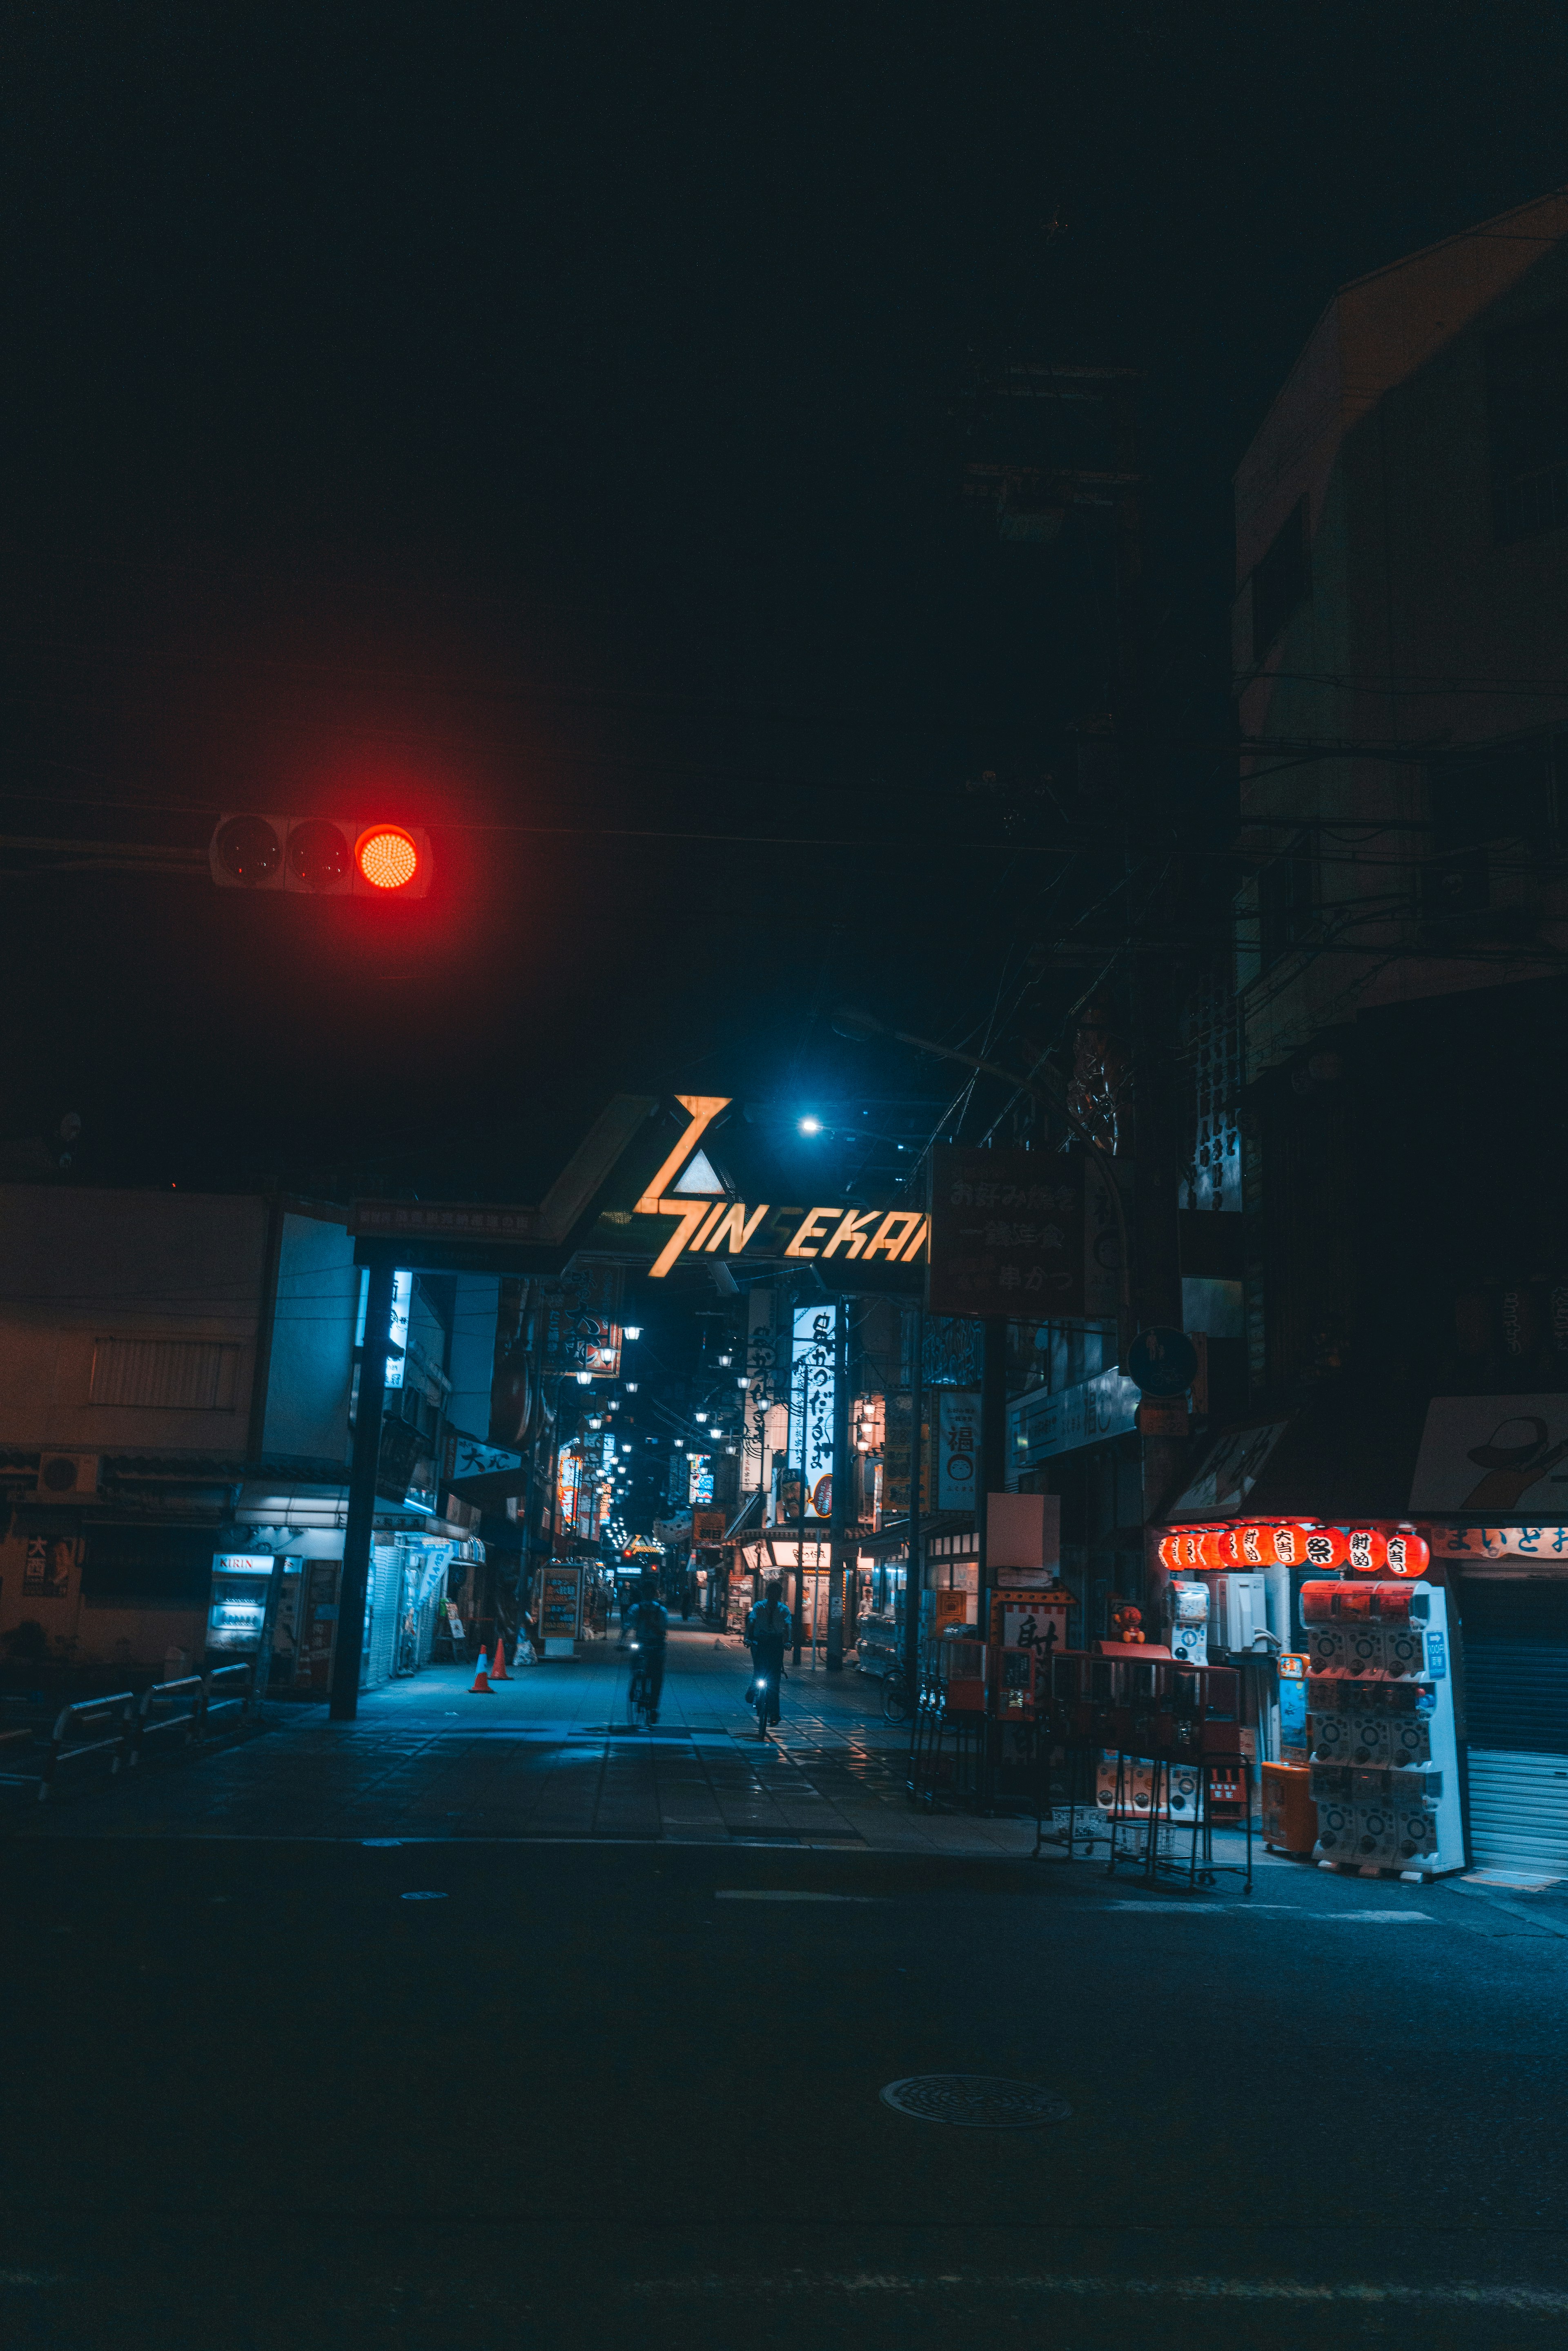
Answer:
(1516, 1694)
(384, 1589)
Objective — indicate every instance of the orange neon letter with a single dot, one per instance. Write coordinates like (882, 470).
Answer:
(701, 1109)
(814, 1227)
(735, 1228)
(853, 1231)
(892, 1232)
(693, 1214)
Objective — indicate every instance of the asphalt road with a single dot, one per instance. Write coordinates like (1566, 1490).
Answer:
(432, 2094)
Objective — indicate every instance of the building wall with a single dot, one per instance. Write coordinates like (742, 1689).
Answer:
(473, 1352)
(312, 1366)
(81, 1267)
(1400, 1131)
(129, 1332)
(1420, 627)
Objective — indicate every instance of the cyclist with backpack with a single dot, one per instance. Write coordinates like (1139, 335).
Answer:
(769, 1632)
(649, 1626)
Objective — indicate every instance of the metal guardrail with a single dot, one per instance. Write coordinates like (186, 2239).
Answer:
(125, 1729)
(170, 1711)
(226, 1692)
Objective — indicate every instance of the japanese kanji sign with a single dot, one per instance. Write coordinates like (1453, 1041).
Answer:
(1007, 1234)
(581, 1314)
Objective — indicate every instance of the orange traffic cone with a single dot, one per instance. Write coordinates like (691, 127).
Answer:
(498, 1662)
(481, 1680)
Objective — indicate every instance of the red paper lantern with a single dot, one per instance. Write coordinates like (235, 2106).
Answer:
(1407, 1553)
(1367, 1550)
(1326, 1549)
(1285, 1545)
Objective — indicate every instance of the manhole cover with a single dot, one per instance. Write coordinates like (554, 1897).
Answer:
(975, 2100)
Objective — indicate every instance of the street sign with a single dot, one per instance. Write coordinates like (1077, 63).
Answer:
(1162, 1361)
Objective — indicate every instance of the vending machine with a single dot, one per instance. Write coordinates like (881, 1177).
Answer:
(1383, 1738)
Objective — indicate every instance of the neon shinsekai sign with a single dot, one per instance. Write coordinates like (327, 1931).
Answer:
(708, 1225)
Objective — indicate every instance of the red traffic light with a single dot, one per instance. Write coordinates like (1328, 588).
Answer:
(323, 856)
(387, 857)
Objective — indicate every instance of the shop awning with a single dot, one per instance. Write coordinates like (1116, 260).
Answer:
(1349, 1452)
(895, 1536)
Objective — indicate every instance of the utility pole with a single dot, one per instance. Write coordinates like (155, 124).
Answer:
(1152, 1000)
(349, 1647)
(993, 1463)
(837, 1568)
(915, 1578)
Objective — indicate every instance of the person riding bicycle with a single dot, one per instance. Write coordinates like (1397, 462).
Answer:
(650, 1626)
(769, 1632)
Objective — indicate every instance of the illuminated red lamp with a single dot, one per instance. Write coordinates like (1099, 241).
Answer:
(387, 857)
(1408, 1552)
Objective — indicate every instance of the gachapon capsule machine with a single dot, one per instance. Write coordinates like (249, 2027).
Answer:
(1384, 1743)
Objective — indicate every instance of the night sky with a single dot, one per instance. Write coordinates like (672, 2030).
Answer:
(546, 426)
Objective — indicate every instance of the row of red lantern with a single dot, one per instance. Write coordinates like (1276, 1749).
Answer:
(1295, 1542)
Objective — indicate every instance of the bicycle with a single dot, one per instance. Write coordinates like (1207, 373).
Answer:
(639, 1694)
(760, 1697)
(894, 1699)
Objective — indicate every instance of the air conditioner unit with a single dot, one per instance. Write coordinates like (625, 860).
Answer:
(65, 1477)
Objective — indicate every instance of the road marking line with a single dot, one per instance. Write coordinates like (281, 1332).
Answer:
(783, 1894)
(1528, 2300)
(1275, 1909)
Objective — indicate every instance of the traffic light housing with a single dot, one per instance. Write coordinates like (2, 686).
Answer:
(320, 856)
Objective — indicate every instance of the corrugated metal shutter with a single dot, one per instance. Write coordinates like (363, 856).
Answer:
(386, 1583)
(164, 1375)
(1516, 1681)
(1519, 1810)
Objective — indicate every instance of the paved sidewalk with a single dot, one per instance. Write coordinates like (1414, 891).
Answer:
(549, 1755)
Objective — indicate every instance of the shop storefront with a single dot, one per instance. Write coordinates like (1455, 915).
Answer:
(1346, 1646)
(1512, 1594)
(416, 1563)
(1491, 1491)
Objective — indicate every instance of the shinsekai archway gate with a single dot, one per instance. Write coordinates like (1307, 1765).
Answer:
(652, 1183)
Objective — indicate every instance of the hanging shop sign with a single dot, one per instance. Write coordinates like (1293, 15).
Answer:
(1060, 1420)
(957, 1449)
(1492, 1456)
(582, 1320)
(1386, 1549)
(1007, 1234)
(1547, 1543)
